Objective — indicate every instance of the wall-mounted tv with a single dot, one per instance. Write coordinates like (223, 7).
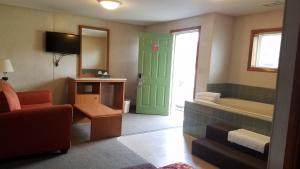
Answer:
(62, 43)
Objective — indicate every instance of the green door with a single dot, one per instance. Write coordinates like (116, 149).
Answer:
(155, 61)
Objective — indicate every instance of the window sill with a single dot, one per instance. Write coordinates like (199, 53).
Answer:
(258, 69)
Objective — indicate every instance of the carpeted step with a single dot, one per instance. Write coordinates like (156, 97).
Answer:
(219, 133)
(224, 156)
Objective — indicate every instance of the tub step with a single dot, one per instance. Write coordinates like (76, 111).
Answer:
(219, 133)
(224, 156)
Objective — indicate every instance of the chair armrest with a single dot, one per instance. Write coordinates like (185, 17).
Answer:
(35, 97)
(35, 130)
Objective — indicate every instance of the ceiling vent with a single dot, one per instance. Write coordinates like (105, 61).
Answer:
(273, 4)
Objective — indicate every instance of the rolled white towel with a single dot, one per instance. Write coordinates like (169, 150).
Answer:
(208, 94)
(211, 99)
(249, 139)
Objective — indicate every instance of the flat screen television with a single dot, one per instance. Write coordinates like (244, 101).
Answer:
(62, 43)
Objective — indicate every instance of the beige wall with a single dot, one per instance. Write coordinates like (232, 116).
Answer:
(286, 94)
(224, 46)
(240, 49)
(214, 49)
(221, 49)
(22, 41)
(94, 52)
(206, 22)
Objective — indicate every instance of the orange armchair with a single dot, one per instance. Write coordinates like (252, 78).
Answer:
(37, 127)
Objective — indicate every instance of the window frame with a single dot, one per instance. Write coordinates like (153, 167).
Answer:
(252, 36)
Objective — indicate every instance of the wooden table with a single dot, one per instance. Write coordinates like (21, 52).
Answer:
(78, 94)
(105, 121)
(88, 95)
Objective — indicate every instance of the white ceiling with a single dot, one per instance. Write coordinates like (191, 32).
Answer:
(145, 12)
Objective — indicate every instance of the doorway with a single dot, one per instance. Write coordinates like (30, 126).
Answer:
(185, 56)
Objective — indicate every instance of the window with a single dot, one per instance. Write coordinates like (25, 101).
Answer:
(264, 50)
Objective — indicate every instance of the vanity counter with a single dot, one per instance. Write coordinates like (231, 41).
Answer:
(95, 79)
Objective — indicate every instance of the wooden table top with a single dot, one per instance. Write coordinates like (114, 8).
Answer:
(94, 110)
(99, 79)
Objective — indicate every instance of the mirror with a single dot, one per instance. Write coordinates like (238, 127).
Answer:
(94, 51)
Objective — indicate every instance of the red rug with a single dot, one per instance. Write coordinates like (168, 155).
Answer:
(177, 166)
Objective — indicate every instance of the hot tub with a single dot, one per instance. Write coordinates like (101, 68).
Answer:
(250, 115)
(258, 110)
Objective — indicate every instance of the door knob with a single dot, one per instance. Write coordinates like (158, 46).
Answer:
(140, 79)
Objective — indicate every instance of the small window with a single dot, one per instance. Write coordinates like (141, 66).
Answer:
(264, 50)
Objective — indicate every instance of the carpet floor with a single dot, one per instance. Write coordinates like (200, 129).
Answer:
(139, 123)
(106, 154)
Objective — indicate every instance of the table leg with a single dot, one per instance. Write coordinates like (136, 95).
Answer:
(106, 127)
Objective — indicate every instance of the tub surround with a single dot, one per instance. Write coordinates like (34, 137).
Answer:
(258, 94)
(197, 116)
(252, 109)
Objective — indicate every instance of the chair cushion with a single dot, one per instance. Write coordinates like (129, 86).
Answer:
(33, 106)
(3, 103)
(10, 95)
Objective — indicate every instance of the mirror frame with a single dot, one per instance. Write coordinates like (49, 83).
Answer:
(80, 56)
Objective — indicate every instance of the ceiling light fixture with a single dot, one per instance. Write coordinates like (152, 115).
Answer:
(110, 4)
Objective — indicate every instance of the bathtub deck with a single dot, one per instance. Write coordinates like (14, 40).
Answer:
(197, 117)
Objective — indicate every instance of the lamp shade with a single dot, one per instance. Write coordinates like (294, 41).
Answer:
(6, 66)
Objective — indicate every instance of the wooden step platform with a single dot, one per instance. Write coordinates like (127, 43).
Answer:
(224, 156)
(219, 133)
(216, 149)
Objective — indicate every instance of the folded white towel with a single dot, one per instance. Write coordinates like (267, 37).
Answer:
(211, 99)
(208, 94)
(249, 139)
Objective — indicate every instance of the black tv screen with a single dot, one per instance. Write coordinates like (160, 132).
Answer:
(62, 43)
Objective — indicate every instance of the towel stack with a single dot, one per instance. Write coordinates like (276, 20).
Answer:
(249, 139)
(208, 96)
